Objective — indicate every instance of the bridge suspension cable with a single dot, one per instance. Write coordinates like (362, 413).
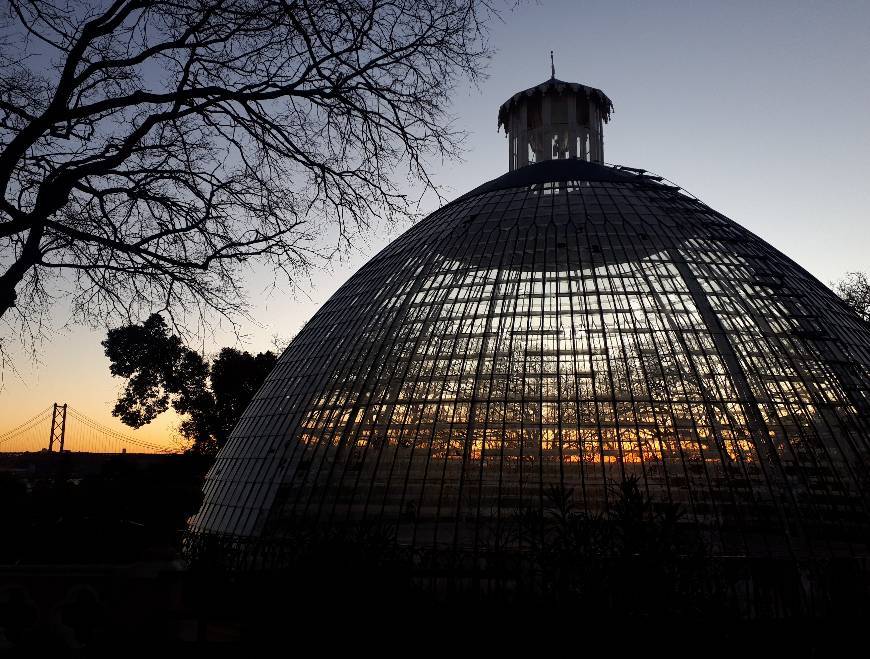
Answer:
(113, 435)
(80, 433)
(25, 430)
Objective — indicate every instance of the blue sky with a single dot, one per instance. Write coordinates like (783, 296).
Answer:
(759, 109)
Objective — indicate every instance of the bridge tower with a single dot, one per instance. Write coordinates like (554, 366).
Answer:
(58, 427)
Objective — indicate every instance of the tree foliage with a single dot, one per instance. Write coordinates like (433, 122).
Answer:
(854, 288)
(161, 372)
(149, 149)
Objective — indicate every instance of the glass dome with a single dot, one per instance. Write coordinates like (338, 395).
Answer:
(563, 328)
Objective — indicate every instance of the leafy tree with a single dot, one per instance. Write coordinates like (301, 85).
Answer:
(149, 149)
(854, 288)
(161, 372)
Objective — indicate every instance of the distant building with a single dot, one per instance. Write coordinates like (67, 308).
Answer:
(561, 329)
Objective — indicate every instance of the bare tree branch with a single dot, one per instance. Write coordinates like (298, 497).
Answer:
(151, 149)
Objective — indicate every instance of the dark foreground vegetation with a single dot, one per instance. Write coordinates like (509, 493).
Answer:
(92, 556)
(95, 508)
(639, 562)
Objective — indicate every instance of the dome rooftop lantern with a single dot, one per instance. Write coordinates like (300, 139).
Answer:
(555, 120)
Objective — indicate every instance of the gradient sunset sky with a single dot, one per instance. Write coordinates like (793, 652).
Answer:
(760, 109)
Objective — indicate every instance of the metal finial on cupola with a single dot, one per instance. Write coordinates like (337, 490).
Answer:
(552, 67)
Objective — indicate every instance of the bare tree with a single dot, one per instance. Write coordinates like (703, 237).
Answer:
(149, 149)
(854, 288)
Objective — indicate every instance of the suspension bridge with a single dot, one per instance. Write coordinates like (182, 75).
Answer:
(61, 427)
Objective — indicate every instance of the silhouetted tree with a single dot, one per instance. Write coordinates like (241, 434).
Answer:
(854, 288)
(162, 372)
(151, 148)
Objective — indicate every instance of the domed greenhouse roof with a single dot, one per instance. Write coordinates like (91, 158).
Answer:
(560, 329)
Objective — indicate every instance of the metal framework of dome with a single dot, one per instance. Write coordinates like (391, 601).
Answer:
(564, 327)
